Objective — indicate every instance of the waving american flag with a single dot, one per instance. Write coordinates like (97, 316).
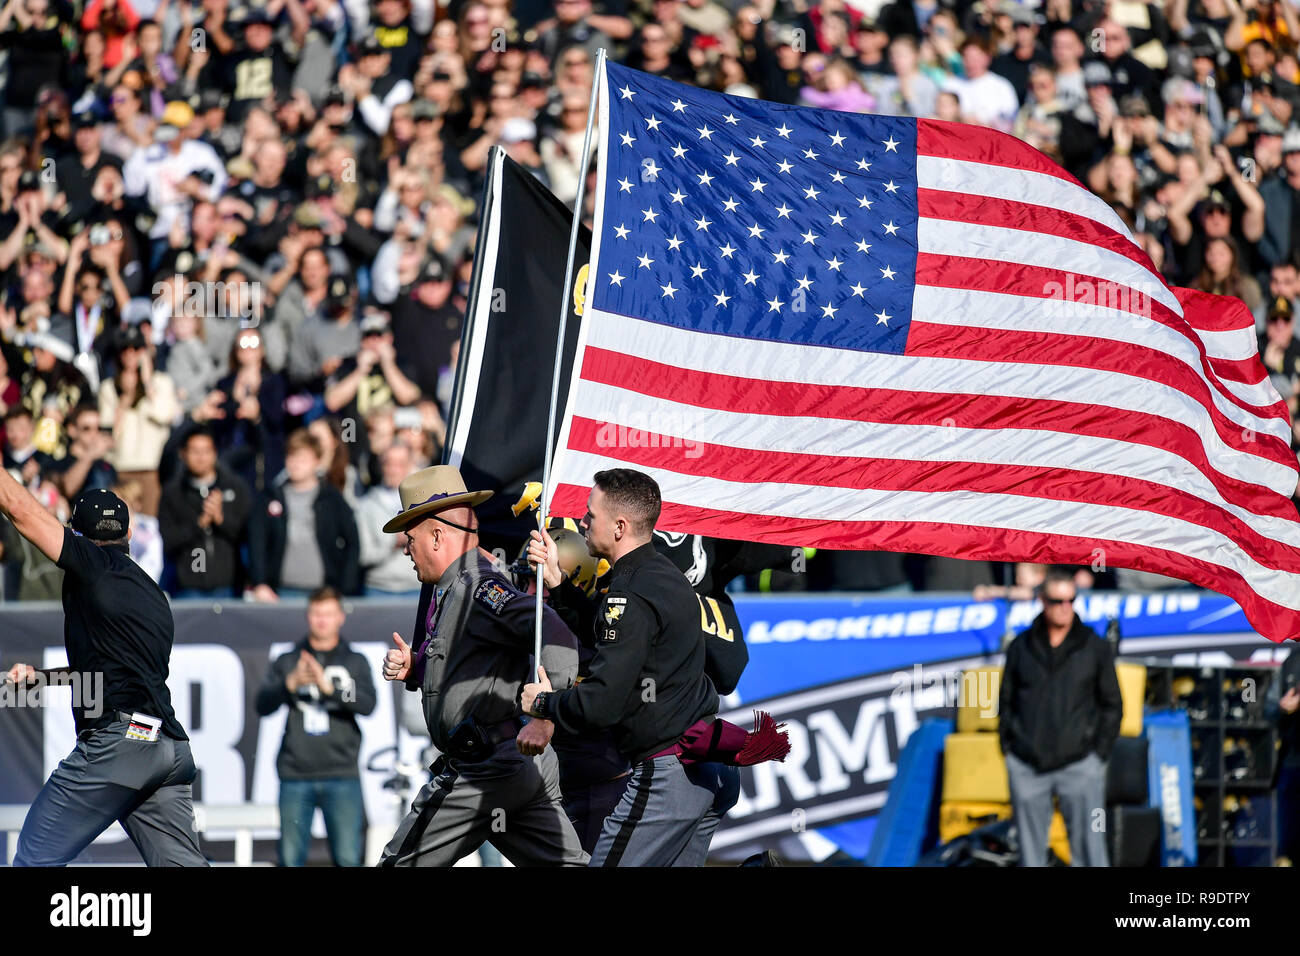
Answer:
(865, 332)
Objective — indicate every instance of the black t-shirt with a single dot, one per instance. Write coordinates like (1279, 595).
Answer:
(404, 48)
(423, 339)
(77, 181)
(1016, 70)
(374, 391)
(251, 77)
(116, 622)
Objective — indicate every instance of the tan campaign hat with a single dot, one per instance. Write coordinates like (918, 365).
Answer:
(429, 490)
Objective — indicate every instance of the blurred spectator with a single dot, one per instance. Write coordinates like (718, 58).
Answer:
(388, 569)
(1025, 51)
(1280, 351)
(302, 534)
(202, 518)
(189, 364)
(21, 454)
(170, 174)
(907, 91)
(32, 32)
(985, 97)
(139, 404)
(29, 574)
(425, 326)
(335, 445)
(326, 686)
(835, 85)
(370, 379)
(86, 464)
(1058, 719)
(1222, 273)
(246, 413)
(322, 342)
(51, 378)
(146, 543)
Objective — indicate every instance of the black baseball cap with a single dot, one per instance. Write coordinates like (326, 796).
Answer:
(370, 46)
(100, 515)
(130, 338)
(435, 270)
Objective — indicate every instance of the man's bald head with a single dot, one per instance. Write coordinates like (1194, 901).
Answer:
(437, 541)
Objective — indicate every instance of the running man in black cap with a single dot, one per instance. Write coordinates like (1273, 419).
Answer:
(132, 762)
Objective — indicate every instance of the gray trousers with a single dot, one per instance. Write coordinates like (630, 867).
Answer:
(1080, 787)
(509, 800)
(145, 786)
(667, 814)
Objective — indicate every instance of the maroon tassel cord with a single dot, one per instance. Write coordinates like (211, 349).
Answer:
(767, 742)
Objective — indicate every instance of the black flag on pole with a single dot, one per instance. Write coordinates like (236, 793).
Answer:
(497, 430)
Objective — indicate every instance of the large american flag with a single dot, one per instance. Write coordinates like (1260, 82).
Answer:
(866, 332)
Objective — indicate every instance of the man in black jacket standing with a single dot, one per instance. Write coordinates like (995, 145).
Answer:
(1059, 715)
(202, 515)
(327, 686)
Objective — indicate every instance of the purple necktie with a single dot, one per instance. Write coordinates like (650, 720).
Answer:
(418, 662)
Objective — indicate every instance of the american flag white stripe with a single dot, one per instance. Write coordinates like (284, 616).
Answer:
(1016, 512)
(1154, 436)
(999, 310)
(773, 360)
(996, 310)
(1002, 182)
(1026, 448)
(1105, 457)
(1229, 344)
(946, 238)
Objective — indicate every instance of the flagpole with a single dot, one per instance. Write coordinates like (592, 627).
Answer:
(559, 346)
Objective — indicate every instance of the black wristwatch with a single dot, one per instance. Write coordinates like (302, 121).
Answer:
(539, 704)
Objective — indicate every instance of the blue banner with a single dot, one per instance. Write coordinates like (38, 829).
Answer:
(1169, 763)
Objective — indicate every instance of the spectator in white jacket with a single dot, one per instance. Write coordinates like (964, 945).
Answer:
(140, 405)
(172, 172)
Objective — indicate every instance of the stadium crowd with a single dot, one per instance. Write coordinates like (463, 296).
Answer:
(236, 240)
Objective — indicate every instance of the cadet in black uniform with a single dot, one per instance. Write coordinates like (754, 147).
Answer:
(132, 761)
(647, 681)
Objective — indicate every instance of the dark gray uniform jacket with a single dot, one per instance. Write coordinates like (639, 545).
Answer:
(477, 652)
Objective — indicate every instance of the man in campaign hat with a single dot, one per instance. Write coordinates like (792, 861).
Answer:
(497, 780)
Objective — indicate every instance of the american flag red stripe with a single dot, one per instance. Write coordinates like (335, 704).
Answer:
(1024, 416)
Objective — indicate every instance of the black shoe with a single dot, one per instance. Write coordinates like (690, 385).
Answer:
(766, 858)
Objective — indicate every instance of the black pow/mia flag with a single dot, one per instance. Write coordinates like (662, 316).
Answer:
(497, 423)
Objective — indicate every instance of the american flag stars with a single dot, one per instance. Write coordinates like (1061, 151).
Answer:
(753, 218)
